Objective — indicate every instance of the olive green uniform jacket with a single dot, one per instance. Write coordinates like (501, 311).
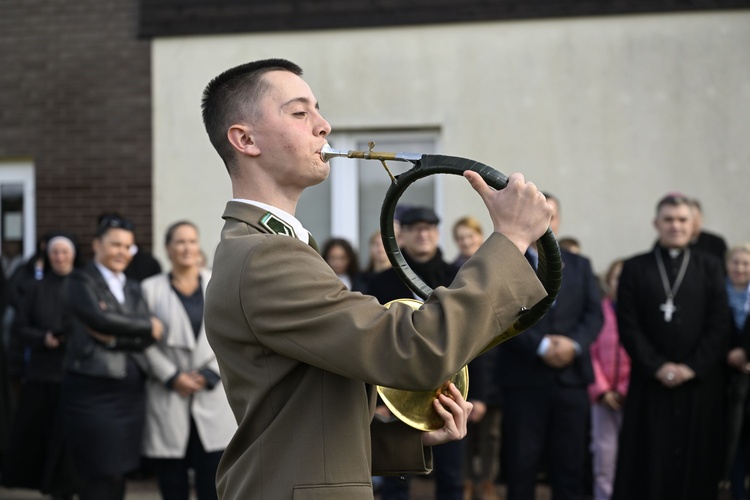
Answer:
(298, 354)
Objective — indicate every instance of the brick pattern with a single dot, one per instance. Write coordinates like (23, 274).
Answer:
(75, 98)
(186, 17)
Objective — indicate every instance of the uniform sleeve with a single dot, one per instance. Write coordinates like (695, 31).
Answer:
(397, 449)
(321, 323)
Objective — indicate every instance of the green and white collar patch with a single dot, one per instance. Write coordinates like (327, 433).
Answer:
(276, 225)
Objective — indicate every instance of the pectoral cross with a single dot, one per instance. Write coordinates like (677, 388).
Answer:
(668, 308)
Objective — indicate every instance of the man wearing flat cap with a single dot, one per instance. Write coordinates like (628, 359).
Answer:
(419, 245)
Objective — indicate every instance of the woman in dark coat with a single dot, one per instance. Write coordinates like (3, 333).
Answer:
(103, 395)
(38, 456)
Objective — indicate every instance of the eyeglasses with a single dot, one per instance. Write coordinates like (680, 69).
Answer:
(420, 228)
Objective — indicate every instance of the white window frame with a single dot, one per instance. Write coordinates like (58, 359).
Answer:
(23, 173)
(344, 178)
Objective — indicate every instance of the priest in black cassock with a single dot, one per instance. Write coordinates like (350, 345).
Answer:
(673, 320)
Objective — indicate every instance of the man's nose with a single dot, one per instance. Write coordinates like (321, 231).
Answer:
(324, 128)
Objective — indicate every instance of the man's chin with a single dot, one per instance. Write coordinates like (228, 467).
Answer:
(324, 175)
(676, 243)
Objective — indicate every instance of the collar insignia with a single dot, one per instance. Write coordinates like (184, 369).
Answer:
(276, 225)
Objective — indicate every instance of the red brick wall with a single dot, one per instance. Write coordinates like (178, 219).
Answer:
(75, 97)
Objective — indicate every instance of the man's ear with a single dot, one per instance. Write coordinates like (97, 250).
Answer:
(241, 138)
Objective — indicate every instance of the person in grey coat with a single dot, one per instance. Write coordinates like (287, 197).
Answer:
(188, 419)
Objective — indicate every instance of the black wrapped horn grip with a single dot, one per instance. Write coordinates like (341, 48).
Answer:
(549, 270)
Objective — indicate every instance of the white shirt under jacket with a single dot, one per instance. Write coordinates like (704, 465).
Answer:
(168, 414)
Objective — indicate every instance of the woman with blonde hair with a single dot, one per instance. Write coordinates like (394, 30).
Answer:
(467, 233)
(188, 419)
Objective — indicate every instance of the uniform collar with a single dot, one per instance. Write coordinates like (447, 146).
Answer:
(299, 230)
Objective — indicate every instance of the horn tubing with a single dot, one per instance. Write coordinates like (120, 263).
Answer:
(549, 269)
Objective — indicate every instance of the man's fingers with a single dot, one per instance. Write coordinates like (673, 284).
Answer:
(477, 183)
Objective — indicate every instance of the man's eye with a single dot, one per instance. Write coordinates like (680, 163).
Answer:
(300, 113)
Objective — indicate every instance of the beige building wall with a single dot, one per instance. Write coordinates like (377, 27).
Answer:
(607, 113)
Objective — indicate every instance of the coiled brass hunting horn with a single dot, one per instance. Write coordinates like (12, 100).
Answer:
(415, 407)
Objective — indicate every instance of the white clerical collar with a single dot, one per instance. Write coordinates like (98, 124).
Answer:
(302, 234)
(115, 282)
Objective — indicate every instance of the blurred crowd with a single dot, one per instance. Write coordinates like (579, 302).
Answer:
(633, 384)
(659, 410)
(106, 369)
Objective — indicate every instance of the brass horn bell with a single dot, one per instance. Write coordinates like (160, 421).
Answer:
(415, 408)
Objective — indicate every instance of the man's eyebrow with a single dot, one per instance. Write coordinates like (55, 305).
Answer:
(303, 100)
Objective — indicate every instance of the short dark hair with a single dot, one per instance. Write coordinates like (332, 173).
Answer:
(113, 221)
(232, 96)
(674, 199)
(173, 227)
(352, 268)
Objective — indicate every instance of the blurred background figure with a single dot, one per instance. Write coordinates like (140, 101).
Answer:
(467, 233)
(142, 263)
(38, 456)
(6, 407)
(188, 419)
(378, 261)
(702, 240)
(570, 244)
(674, 322)
(545, 373)
(611, 376)
(340, 255)
(738, 291)
(21, 279)
(103, 397)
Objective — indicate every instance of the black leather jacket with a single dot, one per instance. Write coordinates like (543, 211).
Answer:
(92, 305)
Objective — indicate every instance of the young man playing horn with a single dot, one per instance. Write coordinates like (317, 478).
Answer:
(298, 352)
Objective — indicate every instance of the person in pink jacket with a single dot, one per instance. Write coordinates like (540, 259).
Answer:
(611, 376)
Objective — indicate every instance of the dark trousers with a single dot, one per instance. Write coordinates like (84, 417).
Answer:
(448, 473)
(103, 488)
(172, 473)
(741, 467)
(545, 425)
